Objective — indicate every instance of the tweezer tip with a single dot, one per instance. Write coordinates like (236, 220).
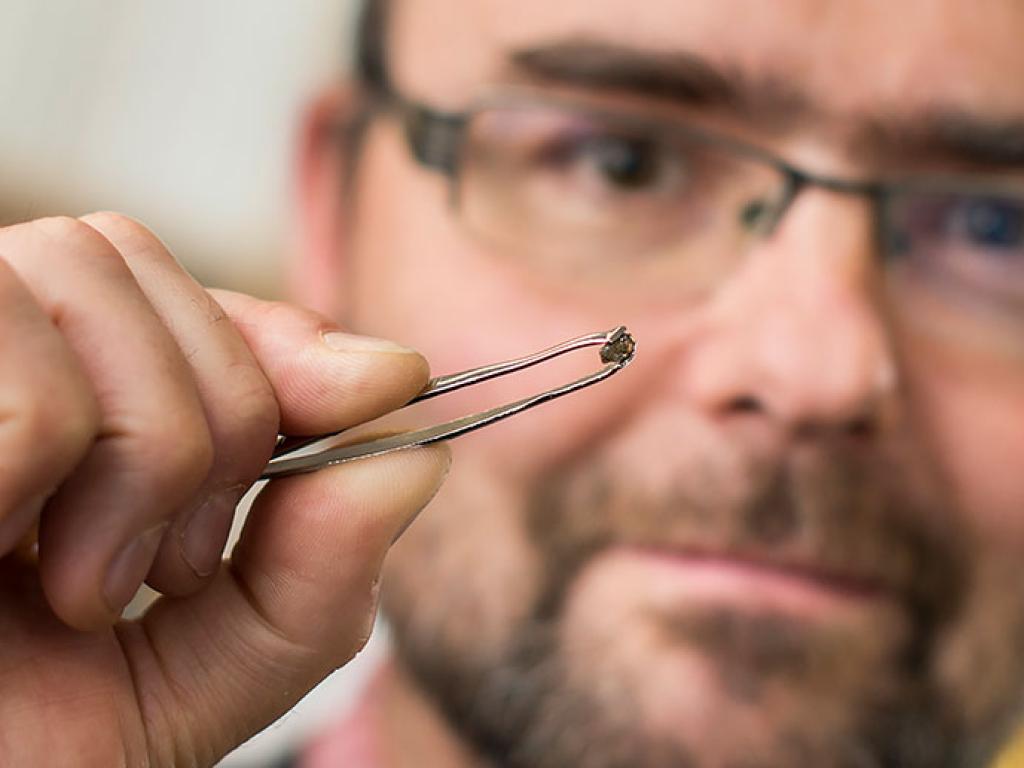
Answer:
(620, 347)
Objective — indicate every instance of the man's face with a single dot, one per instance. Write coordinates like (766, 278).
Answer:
(788, 533)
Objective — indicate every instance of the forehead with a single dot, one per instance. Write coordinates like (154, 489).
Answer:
(844, 55)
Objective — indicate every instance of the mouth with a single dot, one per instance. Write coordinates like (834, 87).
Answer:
(743, 580)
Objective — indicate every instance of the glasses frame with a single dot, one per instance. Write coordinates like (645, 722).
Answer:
(436, 140)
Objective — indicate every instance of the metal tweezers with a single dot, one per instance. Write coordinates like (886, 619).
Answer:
(617, 350)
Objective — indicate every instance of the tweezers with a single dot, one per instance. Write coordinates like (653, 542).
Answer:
(617, 351)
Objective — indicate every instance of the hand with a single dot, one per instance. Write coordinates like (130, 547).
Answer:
(135, 409)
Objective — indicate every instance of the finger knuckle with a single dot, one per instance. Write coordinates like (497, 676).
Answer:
(177, 454)
(252, 408)
(139, 241)
(78, 418)
(50, 433)
(68, 229)
(211, 309)
(192, 456)
(75, 239)
(43, 241)
(115, 221)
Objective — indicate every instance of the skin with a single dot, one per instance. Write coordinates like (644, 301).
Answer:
(97, 463)
(796, 364)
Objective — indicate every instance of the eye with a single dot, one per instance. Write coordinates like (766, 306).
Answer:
(614, 164)
(624, 162)
(992, 223)
(968, 244)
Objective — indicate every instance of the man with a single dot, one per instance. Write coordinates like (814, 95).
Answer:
(788, 535)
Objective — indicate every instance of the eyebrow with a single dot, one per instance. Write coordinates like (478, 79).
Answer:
(687, 79)
(950, 134)
(681, 78)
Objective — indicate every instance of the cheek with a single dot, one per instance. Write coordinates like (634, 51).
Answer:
(973, 412)
(464, 571)
(418, 275)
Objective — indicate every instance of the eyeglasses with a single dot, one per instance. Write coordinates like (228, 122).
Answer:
(651, 206)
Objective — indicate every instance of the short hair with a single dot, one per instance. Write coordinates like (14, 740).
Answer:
(370, 63)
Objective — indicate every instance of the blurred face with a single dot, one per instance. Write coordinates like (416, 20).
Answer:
(789, 533)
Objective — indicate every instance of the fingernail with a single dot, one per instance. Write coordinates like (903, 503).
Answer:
(129, 567)
(18, 522)
(202, 541)
(346, 342)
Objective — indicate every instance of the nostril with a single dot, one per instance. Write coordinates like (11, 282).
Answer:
(745, 404)
(861, 428)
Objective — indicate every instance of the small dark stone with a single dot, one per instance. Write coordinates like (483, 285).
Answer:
(619, 349)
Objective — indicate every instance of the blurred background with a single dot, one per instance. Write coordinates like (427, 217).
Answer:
(179, 113)
(182, 114)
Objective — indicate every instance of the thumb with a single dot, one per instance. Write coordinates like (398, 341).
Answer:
(297, 602)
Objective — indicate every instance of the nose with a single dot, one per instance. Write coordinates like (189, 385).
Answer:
(798, 337)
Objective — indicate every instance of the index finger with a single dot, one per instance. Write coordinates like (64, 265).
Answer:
(325, 380)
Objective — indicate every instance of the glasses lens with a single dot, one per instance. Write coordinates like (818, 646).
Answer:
(958, 263)
(601, 196)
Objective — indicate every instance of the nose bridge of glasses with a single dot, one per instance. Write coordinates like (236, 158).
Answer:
(799, 180)
(821, 267)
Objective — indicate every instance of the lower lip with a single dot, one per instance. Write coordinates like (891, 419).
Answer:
(718, 579)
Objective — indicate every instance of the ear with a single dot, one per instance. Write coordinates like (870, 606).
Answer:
(316, 272)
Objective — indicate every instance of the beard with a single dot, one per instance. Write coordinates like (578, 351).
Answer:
(825, 696)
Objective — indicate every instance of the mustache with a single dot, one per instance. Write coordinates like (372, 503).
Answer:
(858, 520)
